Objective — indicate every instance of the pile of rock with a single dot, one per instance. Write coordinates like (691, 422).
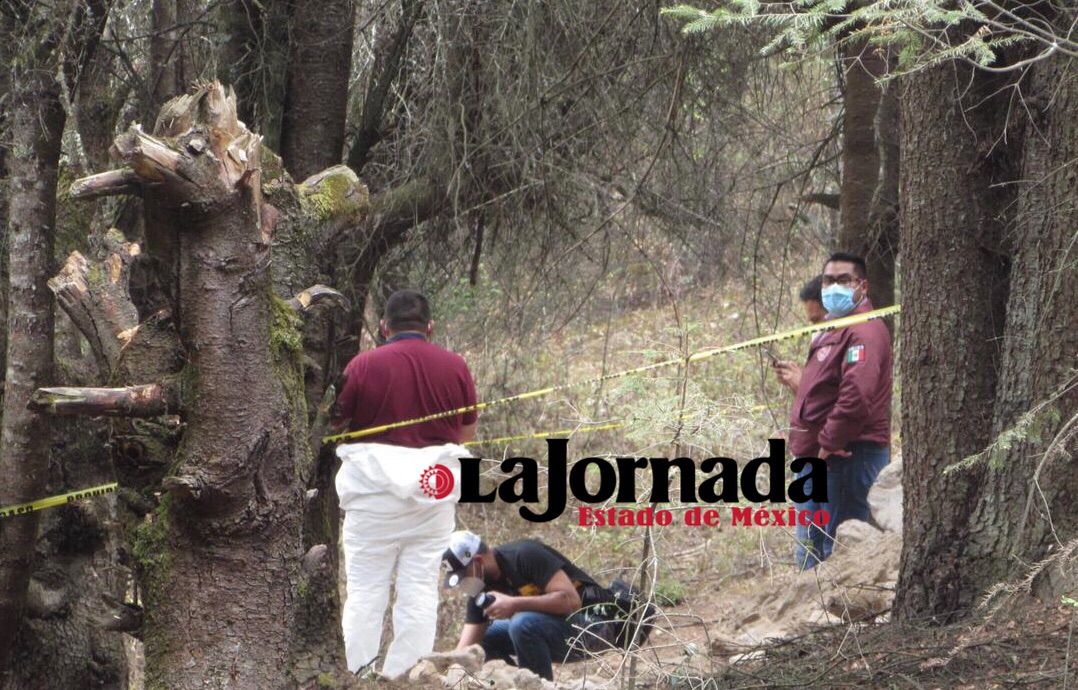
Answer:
(856, 584)
(467, 668)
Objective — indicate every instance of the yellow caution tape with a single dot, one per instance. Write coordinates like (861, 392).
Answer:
(53, 501)
(584, 429)
(694, 357)
(62, 499)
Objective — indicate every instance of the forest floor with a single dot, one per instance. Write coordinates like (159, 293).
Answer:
(709, 581)
(1024, 644)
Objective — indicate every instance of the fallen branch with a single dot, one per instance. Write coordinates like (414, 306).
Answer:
(150, 400)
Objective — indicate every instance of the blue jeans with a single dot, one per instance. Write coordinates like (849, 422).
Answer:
(812, 545)
(848, 482)
(537, 639)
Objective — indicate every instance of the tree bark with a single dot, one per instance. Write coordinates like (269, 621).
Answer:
(309, 218)
(952, 222)
(58, 641)
(63, 640)
(1029, 492)
(98, 102)
(234, 510)
(882, 242)
(869, 190)
(7, 28)
(95, 103)
(236, 489)
(862, 66)
(171, 65)
(254, 60)
(37, 124)
(316, 102)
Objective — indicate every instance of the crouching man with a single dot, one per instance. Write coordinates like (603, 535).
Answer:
(520, 596)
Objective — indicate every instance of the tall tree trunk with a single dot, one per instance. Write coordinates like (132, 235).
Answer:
(954, 281)
(869, 188)
(6, 29)
(316, 102)
(326, 205)
(882, 241)
(234, 507)
(171, 62)
(862, 66)
(60, 641)
(37, 123)
(254, 60)
(1029, 493)
(67, 637)
(221, 561)
(98, 102)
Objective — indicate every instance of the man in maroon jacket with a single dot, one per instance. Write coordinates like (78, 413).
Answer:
(842, 411)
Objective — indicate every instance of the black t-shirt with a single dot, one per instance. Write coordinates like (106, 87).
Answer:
(527, 566)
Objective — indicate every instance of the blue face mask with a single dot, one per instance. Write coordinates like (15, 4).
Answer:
(838, 300)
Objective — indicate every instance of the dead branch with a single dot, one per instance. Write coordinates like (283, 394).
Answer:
(318, 295)
(95, 295)
(110, 183)
(388, 59)
(150, 400)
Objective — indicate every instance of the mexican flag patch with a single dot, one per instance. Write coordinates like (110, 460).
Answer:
(855, 353)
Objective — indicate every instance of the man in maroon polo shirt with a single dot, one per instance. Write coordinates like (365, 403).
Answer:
(406, 378)
(395, 527)
(842, 411)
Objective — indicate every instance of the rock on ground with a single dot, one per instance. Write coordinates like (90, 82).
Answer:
(465, 669)
(855, 584)
(885, 498)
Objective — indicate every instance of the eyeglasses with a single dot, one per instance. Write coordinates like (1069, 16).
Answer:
(844, 279)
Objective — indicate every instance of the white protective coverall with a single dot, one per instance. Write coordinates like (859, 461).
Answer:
(390, 523)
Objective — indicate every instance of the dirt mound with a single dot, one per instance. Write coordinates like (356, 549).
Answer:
(855, 584)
